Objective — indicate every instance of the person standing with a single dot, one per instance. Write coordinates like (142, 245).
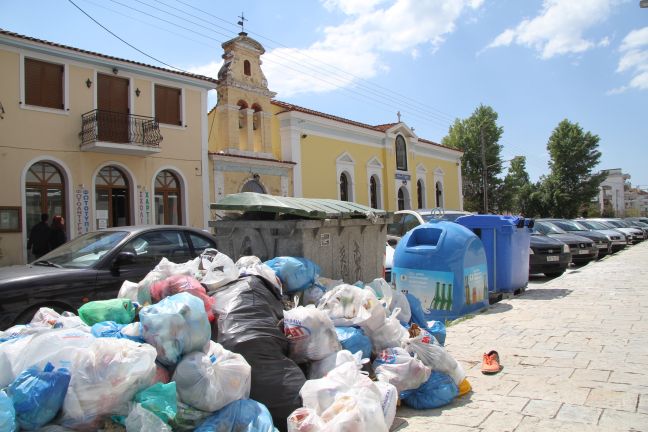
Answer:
(39, 235)
(57, 234)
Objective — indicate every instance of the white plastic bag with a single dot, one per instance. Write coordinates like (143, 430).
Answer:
(355, 411)
(218, 269)
(322, 367)
(392, 298)
(305, 420)
(211, 381)
(142, 420)
(105, 378)
(397, 367)
(389, 395)
(348, 305)
(425, 347)
(388, 335)
(310, 333)
(49, 317)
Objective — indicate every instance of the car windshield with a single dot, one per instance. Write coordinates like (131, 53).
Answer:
(595, 225)
(84, 251)
(548, 228)
(614, 223)
(568, 225)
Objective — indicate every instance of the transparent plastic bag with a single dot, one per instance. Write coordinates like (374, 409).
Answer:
(305, 420)
(348, 305)
(310, 332)
(355, 411)
(211, 381)
(397, 367)
(38, 394)
(389, 395)
(188, 418)
(49, 317)
(105, 377)
(182, 283)
(132, 331)
(320, 368)
(142, 420)
(389, 334)
(175, 326)
(434, 356)
(392, 298)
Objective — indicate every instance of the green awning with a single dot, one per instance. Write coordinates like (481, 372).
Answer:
(314, 208)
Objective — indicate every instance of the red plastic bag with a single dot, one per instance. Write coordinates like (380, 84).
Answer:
(182, 283)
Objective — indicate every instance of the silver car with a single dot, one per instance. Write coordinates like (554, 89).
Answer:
(618, 239)
(635, 235)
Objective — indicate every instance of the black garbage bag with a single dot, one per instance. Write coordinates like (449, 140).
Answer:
(249, 323)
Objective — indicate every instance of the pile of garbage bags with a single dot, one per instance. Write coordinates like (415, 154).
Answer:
(215, 345)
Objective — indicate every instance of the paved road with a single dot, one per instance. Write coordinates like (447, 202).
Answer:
(574, 351)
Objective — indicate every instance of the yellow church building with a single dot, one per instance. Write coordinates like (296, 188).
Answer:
(260, 144)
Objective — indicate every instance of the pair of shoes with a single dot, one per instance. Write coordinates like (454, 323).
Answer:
(491, 363)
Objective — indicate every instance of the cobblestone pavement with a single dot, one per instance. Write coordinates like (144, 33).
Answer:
(574, 351)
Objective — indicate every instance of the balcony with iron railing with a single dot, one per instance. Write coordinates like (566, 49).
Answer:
(112, 132)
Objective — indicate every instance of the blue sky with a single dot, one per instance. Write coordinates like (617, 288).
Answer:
(536, 62)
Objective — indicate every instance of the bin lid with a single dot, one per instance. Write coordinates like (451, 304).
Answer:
(314, 208)
(488, 221)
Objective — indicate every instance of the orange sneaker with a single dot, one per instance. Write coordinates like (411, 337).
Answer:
(491, 363)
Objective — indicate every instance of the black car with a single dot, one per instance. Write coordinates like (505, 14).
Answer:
(548, 255)
(582, 249)
(602, 242)
(93, 267)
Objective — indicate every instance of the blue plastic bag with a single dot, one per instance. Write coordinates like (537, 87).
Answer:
(38, 395)
(296, 274)
(437, 391)
(132, 331)
(438, 330)
(353, 340)
(244, 415)
(418, 315)
(7, 413)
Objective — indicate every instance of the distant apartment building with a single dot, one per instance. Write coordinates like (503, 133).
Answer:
(636, 202)
(99, 140)
(612, 192)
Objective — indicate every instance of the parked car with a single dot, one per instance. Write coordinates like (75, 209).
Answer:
(583, 250)
(637, 224)
(548, 255)
(619, 239)
(389, 259)
(93, 267)
(635, 235)
(602, 242)
(405, 220)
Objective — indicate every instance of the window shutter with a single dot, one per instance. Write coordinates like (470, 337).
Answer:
(167, 105)
(44, 84)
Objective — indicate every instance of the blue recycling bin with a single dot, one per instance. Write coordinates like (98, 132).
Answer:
(443, 265)
(506, 242)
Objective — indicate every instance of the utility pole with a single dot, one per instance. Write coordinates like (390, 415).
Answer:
(484, 168)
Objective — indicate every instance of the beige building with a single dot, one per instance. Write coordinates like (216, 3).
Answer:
(98, 140)
(260, 144)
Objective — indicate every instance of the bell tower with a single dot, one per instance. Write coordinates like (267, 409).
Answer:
(242, 113)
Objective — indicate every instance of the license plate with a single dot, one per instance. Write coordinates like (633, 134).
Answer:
(583, 251)
(551, 258)
(602, 246)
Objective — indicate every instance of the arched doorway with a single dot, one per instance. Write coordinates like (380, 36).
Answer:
(44, 192)
(168, 200)
(112, 192)
(344, 187)
(439, 194)
(403, 198)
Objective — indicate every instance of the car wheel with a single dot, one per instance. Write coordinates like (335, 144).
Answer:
(554, 274)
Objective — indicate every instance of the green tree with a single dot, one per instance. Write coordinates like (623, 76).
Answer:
(571, 184)
(514, 190)
(469, 135)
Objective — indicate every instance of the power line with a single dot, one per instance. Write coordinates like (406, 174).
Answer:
(127, 43)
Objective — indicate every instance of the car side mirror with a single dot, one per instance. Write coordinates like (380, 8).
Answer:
(124, 258)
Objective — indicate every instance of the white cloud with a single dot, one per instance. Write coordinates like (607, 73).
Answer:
(208, 70)
(559, 28)
(356, 46)
(634, 59)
